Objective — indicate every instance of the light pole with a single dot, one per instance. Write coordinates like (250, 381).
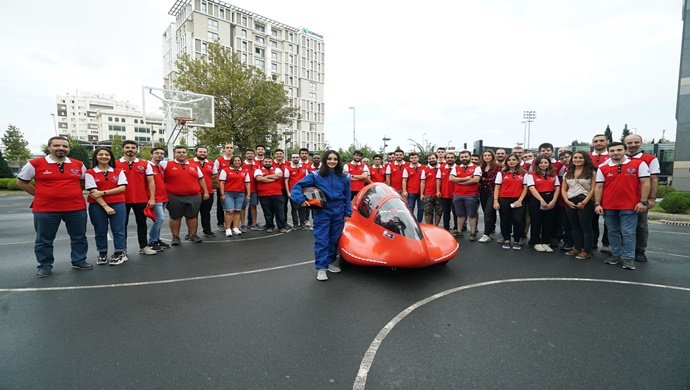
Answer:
(424, 142)
(354, 138)
(385, 143)
(529, 117)
(54, 124)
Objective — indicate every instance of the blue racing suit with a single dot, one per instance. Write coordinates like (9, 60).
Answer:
(328, 221)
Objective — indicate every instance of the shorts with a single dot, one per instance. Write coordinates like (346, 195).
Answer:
(432, 205)
(183, 206)
(253, 200)
(466, 206)
(234, 201)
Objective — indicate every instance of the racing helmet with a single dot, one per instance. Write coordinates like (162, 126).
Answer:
(315, 198)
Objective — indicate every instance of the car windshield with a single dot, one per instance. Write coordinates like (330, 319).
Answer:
(371, 199)
(395, 217)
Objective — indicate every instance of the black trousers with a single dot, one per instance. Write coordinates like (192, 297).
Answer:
(542, 221)
(448, 209)
(140, 219)
(487, 201)
(220, 213)
(205, 214)
(512, 219)
(581, 226)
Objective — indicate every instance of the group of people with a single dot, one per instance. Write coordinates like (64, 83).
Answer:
(558, 202)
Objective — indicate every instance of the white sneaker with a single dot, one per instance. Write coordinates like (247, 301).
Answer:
(485, 238)
(236, 231)
(147, 251)
(547, 248)
(321, 275)
(539, 248)
(228, 232)
(333, 268)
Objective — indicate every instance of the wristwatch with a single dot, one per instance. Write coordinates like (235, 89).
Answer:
(645, 202)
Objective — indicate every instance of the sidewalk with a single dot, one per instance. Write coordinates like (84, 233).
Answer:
(653, 215)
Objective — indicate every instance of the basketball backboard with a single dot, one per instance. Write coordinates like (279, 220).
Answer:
(158, 103)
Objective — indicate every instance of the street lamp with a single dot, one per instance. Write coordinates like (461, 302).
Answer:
(385, 143)
(529, 117)
(54, 124)
(354, 138)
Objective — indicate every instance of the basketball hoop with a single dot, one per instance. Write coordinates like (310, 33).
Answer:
(182, 120)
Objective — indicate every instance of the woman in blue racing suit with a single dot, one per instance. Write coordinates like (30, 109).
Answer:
(330, 220)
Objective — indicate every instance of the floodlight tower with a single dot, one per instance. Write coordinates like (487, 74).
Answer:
(529, 117)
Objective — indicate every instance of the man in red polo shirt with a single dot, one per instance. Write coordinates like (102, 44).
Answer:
(221, 163)
(358, 172)
(466, 178)
(293, 173)
(432, 203)
(599, 156)
(377, 170)
(58, 196)
(269, 183)
(140, 192)
(161, 198)
(280, 162)
(394, 171)
(186, 188)
(412, 173)
(621, 193)
(444, 188)
(250, 165)
(207, 168)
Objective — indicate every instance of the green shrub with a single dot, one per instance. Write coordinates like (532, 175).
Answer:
(12, 185)
(664, 190)
(676, 202)
(3, 183)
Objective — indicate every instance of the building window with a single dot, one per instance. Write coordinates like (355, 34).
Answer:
(274, 67)
(123, 120)
(212, 36)
(312, 95)
(110, 119)
(260, 40)
(213, 24)
(203, 6)
(244, 46)
(275, 33)
(274, 56)
(260, 63)
(244, 33)
(260, 27)
(274, 44)
(245, 21)
(312, 86)
(259, 52)
(117, 119)
(222, 13)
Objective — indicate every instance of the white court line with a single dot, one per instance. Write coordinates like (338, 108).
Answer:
(668, 254)
(163, 235)
(134, 284)
(370, 354)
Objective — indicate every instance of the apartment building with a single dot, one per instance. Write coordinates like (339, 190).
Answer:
(295, 56)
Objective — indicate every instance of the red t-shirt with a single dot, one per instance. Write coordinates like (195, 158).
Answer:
(137, 185)
(104, 181)
(269, 189)
(598, 159)
(220, 164)
(447, 187)
(378, 175)
(56, 189)
(429, 176)
(414, 178)
(511, 184)
(355, 169)
(395, 171)
(622, 189)
(206, 167)
(235, 179)
(181, 179)
(308, 164)
(470, 170)
(161, 193)
(251, 167)
(295, 174)
(542, 183)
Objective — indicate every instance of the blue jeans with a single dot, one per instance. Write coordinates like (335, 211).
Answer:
(413, 199)
(155, 231)
(100, 220)
(272, 206)
(622, 225)
(47, 225)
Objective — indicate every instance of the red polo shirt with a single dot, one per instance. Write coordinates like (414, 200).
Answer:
(395, 171)
(137, 185)
(269, 189)
(104, 181)
(56, 189)
(235, 179)
(354, 168)
(206, 167)
(378, 174)
(470, 170)
(414, 178)
(447, 187)
(511, 184)
(161, 194)
(542, 183)
(181, 179)
(622, 189)
(295, 173)
(429, 176)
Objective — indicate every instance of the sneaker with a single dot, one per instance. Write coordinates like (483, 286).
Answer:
(321, 275)
(186, 237)
(175, 241)
(147, 251)
(119, 259)
(485, 238)
(613, 260)
(221, 227)
(209, 234)
(307, 224)
(641, 257)
(629, 264)
(236, 231)
(156, 247)
(163, 244)
(547, 248)
(43, 272)
(255, 227)
(243, 228)
(194, 238)
(285, 230)
(84, 266)
(539, 248)
(572, 252)
(333, 268)
(228, 232)
(269, 230)
(566, 248)
(473, 236)
(102, 258)
(605, 249)
(583, 256)
(517, 246)
(506, 245)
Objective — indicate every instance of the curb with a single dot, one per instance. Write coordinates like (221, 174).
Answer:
(653, 215)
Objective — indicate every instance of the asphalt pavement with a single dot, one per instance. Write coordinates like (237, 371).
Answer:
(248, 313)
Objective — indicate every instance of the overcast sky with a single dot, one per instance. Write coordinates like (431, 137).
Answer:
(443, 71)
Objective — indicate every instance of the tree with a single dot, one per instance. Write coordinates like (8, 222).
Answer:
(249, 107)
(578, 143)
(626, 132)
(609, 134)
(14, 145)
(79, 152)
(5, 170)
(116, 146)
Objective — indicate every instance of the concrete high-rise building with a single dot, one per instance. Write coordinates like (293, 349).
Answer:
(295, 56)
(94, 117)
(681, 166)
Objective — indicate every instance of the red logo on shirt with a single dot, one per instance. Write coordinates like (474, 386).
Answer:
(631, 170)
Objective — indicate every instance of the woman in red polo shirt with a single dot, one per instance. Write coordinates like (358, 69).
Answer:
(233, 182)
(509, 193)
(543, 184)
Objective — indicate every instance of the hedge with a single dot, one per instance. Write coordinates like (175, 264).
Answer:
(676, 202)
(4, 181)
(664, 190)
